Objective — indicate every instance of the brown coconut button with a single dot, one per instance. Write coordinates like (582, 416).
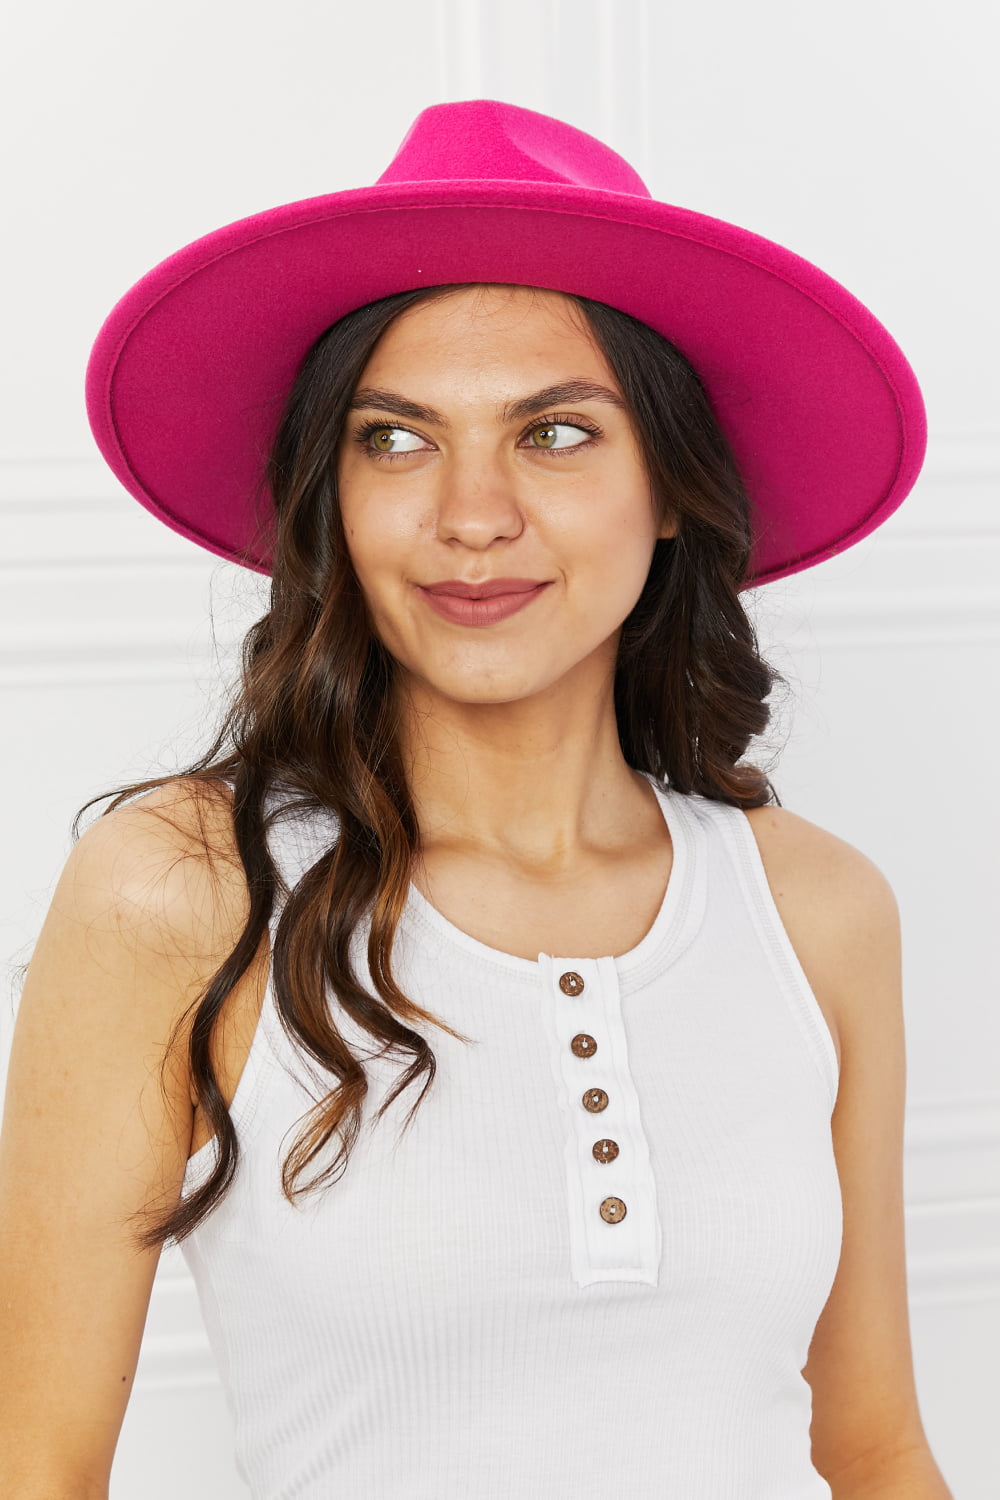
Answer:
(571, 984)
(595, 1100)
(613, 1210)
(605, 1150)
(583, 1045)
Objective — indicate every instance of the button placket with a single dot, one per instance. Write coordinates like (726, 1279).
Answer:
(614, 1225)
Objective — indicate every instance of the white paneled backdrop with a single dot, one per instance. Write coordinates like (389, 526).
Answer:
(864, 137)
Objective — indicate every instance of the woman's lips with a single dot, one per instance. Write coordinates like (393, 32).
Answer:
(479, 611)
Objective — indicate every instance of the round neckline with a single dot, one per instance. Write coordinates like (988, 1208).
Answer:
(669, 930)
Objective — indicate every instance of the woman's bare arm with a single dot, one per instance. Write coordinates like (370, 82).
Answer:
(138, 923)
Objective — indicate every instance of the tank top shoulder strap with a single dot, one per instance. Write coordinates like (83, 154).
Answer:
(296, 836)
(745, 859)
(296, 839)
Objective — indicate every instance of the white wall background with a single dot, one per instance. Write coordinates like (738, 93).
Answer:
(864, 137)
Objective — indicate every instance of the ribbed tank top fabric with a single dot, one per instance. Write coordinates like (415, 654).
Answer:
(455, 1316)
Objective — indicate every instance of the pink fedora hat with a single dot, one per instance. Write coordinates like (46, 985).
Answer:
(189, 373)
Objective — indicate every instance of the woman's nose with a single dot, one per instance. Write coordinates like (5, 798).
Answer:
(476, 497)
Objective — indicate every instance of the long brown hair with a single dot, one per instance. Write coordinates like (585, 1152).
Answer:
(313, 712)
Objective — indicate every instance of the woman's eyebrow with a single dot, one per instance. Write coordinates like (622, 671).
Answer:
(561, 395)
(369, 397)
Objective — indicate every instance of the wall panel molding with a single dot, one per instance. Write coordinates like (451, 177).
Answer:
(952, 1189)
(589, 60)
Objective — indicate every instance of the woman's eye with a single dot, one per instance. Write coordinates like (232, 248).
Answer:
(558, 435)
(394, 440)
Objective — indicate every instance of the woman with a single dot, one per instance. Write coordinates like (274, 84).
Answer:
(510, 438)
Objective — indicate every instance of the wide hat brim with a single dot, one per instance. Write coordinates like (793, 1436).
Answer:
(191, 370)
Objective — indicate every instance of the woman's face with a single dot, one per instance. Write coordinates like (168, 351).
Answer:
(489, 439)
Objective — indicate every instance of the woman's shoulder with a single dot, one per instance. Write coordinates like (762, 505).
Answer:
(798, 852)
(826, 888)
(838, 908)
(796, 849)
(166, 864)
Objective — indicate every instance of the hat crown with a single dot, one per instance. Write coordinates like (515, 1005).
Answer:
(487, 140)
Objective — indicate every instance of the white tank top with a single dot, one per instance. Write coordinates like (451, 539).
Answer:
(594, 1263)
